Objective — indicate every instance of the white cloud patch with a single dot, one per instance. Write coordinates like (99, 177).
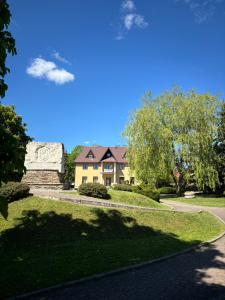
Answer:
(202, 10)
(43, 69)
(60, 58)
(129, 19)
(128, 5)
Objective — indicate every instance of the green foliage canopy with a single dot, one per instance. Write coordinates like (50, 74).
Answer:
(220, 148)
(69, 163)
(7, 44)
(173, 134)
(13, 141)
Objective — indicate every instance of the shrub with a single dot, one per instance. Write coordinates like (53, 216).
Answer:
(123, 187)
(95, 190)
(167, 190)
(14, 191)
(147, 191)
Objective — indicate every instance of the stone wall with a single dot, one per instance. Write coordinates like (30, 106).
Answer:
(44, 179)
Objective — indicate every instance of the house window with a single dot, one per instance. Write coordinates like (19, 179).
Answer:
(121, 180)
(108, 167)
(85, 166)
(121, 166)
(95, 179)
(95, 166)
(132, 180)
(84, 179)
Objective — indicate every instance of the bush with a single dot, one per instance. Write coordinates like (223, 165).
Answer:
(123, 187)
(14, 191)
(95, 190)
(167, 190)
(147, 191)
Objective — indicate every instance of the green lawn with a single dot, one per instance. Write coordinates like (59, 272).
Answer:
(132, 199)
(201, 200)
(45, 242)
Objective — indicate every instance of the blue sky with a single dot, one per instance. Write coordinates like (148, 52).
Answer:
(83, 66)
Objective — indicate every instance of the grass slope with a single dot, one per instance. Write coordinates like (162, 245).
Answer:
(130, 198)
(203, 201)
(45, 242)
(134, 199)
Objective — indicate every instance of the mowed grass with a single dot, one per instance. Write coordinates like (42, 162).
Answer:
(201, 200)
(131, 198)
(134, 199)
(46, 242)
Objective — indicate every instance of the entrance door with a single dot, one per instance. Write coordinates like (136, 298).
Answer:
(108, 181)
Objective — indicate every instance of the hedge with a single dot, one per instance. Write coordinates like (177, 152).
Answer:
(95, 190)
(147, 191)
(123, 187)
(167, 190)
(14, 191)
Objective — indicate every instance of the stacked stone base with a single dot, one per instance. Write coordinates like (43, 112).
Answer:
(44, 179)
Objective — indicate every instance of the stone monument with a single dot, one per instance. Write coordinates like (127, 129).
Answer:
(44, 164)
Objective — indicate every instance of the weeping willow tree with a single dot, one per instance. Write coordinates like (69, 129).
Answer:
(173, 135)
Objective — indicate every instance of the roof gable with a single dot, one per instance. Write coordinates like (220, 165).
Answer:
(99, 154)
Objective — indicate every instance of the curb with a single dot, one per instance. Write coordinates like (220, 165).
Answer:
(118, 271)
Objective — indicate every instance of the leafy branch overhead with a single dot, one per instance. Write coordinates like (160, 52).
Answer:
(7, 44)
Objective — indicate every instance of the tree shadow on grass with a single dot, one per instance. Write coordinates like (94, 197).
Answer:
(35, 253)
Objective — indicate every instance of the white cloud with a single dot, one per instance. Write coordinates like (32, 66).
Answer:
(57, 56)
(129, 19)
(201, 10)
(140, 21)
(87, 142)
(41, 68)
(134, 19)
(128, 5)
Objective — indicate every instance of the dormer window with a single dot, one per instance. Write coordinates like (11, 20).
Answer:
(90, 154)
(108, 154)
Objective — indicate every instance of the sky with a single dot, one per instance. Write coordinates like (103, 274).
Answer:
(83, 66)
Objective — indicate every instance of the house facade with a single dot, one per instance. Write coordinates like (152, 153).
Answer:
(105, 165)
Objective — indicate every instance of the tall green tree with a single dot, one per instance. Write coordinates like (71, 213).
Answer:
(173, 135)
(13, 141)
(7, 44)
(220, 148)
(69, 163)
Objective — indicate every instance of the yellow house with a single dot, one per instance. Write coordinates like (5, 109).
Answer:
(106, 165)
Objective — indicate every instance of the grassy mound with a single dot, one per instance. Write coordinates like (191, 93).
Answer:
(45, 242)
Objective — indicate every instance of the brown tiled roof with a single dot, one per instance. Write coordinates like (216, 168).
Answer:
(99, 152)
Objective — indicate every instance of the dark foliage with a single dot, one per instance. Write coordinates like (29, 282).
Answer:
(14, 191)
(220, 150)
(147, 191)
(7, 44)
(123, 187)
(69, 163)
(167, 190)
(95, 190)
(13, 141)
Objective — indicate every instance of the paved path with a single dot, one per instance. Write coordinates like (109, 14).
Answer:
(179, 206)
(198, 274)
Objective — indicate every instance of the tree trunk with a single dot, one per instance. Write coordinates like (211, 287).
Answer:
(178, 180)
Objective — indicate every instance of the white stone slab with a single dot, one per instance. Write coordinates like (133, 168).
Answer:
(45, 156)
